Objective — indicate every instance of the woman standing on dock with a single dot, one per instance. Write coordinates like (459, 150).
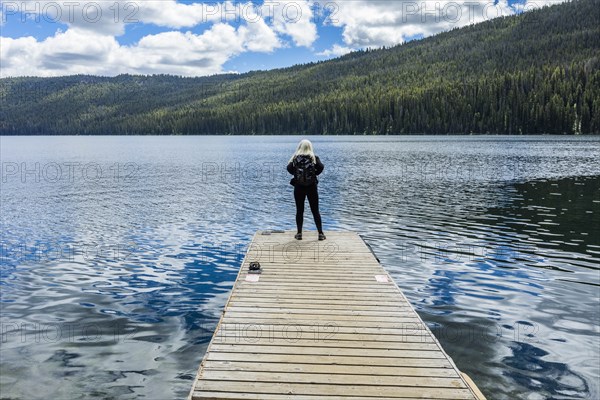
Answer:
(305, 167)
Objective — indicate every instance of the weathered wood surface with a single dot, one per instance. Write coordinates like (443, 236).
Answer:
(323, 321)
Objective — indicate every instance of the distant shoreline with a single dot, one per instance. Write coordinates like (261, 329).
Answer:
(324, 135)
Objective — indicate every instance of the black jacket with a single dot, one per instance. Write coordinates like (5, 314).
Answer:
(319, 167)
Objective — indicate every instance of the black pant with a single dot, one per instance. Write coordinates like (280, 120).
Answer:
(300, 194)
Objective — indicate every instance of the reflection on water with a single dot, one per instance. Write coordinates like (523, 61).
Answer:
(529, 369)
(118, 253)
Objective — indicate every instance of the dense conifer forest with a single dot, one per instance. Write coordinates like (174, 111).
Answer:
(534, 73)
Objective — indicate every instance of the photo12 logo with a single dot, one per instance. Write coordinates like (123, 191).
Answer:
(128, 12)
(65, 171)
(13, 333)
(54, 251)
(70, 11)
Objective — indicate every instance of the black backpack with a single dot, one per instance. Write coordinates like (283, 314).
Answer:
(306, 173)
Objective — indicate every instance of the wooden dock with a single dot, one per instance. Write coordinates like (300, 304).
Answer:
(323, 320)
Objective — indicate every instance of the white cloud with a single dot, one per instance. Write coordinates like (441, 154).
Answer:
(81, 52)
(295, 19)
(383, 23)
(335, 51)
(70, 52)
(256, 34)
(185, 53)
(110, 17)
(376, 23)
(533, 4)
(259, 37)
(171, 14)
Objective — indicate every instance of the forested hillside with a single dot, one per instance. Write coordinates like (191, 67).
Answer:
(538, 72)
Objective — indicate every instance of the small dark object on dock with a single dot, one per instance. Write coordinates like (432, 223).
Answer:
(254, 268)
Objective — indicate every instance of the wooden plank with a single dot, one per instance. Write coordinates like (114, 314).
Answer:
(372, 291)
(324, 341)
(316, 389)
(333, 318)
(328, 368)
(301, 309)
(326, 330)
(308, 258)
(323, 351)
(354, 286)
(335, 379)
(314, 307)
(318, 301)
(257, 293)
(326, 277)
(341, 277)
(316, 324)
(398, 329)
(292, 261)
(203, 394)
(296, 249)
(333, 360)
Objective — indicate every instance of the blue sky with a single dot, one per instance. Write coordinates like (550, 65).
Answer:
(53, 38)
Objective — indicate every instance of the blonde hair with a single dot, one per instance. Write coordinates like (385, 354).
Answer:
(305, 147)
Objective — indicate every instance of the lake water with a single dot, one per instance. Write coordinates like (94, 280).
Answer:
(118, 253)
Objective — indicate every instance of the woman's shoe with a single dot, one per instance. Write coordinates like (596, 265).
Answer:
(298, 236)
(322, 236)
